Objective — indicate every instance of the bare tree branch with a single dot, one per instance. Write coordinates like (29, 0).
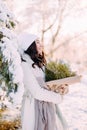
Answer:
(60, 22)
(67, 41)
(51, 25)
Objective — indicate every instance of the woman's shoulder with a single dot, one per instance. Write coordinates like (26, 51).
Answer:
(27, 65)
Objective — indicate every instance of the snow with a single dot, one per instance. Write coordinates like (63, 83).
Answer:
(10, 53)
(8, 33)
(5, 14)
(74, 106)
(9, 50)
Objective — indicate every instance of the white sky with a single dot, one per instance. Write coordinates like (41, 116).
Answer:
(70, 24)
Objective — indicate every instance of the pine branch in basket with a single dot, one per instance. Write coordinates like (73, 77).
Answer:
(57, 74)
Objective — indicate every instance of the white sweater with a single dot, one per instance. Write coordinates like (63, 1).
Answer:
(33, 90)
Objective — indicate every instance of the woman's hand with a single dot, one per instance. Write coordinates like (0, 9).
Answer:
(63, 89)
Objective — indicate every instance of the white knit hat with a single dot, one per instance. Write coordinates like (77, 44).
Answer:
(25, 40)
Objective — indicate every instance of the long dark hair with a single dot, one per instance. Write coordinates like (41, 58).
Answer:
(38, 59)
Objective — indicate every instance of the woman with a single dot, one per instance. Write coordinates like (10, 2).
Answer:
(39, 106)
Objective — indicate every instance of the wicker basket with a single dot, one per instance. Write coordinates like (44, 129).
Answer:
(55, 85)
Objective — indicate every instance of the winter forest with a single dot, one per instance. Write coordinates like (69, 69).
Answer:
(61, 26)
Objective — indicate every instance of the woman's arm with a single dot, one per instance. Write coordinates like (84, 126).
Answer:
(34, 88)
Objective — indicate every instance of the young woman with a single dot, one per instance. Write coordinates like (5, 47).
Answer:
(40, 106)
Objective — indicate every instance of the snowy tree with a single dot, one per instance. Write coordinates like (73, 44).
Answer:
(10, 61)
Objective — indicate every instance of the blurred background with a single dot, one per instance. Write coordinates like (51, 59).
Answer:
(61, 25)
(62, 28)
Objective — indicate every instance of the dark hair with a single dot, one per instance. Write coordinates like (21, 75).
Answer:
(38, 59)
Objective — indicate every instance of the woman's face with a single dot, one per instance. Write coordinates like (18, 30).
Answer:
(39, 46)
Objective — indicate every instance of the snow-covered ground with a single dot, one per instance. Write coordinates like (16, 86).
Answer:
(74, 106)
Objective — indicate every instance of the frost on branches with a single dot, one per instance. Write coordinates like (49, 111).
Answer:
(10, 62)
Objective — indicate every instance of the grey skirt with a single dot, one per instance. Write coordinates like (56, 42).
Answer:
(46, 117)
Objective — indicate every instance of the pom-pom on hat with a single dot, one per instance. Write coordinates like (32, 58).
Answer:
(25, 40)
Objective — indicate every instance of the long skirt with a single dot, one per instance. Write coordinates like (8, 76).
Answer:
(46, 117)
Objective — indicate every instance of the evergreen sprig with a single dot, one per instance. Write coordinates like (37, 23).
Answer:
(6, 76)
(56, 70)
